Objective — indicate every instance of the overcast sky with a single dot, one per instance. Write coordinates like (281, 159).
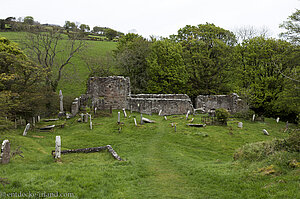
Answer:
(155, 17)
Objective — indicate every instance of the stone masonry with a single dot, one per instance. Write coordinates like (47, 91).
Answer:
(231, 102)
(114, 91)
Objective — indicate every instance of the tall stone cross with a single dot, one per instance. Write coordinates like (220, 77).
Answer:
(61, 103)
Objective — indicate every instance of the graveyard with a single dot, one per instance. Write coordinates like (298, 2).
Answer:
(157, 160)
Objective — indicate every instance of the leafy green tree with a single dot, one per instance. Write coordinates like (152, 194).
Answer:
(166, 71)
(262, 63)
(292, 27)
(29, 20)
(84, 28)
(207, 53)
(132, 51)
(110, 33)
(70, 26)
(21, 87)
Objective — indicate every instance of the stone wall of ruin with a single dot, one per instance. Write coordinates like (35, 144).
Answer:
(232, 103)
(168, 105)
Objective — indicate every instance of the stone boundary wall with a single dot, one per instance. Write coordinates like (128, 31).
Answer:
(231, 102)
(154, 105)
(163, 96)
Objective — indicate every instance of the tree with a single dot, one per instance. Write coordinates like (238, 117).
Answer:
(292, 27)
(262, 62)
(249, 32)
(21, 87)
(166, 69)
(53, 52)
(84, 28)
(28, 20)
(132, 51)
(110, 33)
(207, 51)
(70, 26)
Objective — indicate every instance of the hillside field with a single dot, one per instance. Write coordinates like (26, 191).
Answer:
(74, 79)
(160, 163)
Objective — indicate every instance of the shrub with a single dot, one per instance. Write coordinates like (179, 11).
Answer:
(247, 115)
(222, 116)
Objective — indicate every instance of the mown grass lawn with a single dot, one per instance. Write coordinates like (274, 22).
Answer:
(160, 163)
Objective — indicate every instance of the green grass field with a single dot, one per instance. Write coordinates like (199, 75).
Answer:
(75, 76)
(160, 163)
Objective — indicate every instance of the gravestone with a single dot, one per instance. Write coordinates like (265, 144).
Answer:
(119, 118)
(91, 123)
(192, 120)
(81, 115)
(16, 126)
(38, 118)
(61, 103)
(253, 117)
(86, 117)
(134, 121)
(33, 121)
(57, 147)
(187, 115)
(124, 112)
(240, 124)
(26, 129)
(5, 152)
(166, 118)
(265, 132)
(277, 120)
(159, 112)
(130, 108)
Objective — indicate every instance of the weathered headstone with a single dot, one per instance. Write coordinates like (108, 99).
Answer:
(124, 112)
(175, 128)
(95, 110)
(159, 112)
(26, 129)
(91, 123)
(265, 132)
(130, 108)
(57, 147)
(253, 117)
(16, 125)
(187, 115)
(5, 152)
(86, 117)
(61, 102)
(33, 121)
(166, 118)
(277, 120)
(38, 118)
(81, 115)
(146, 120)
(119, 118)
(134, 121)
(240, 124)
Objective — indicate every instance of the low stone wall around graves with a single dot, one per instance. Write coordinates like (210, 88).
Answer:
(154, 105)
(232, 103)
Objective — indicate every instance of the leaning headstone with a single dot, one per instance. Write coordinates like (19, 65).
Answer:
(253, 117)
(166, 118)
(26, 129)
(146, 120)
(277, 120)
(119, 118)
(265, 132)
(187, 115)
(57, 147)
(159, 112)
(240, 124)
(124, 112)
(5, 152)
(134, 121)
